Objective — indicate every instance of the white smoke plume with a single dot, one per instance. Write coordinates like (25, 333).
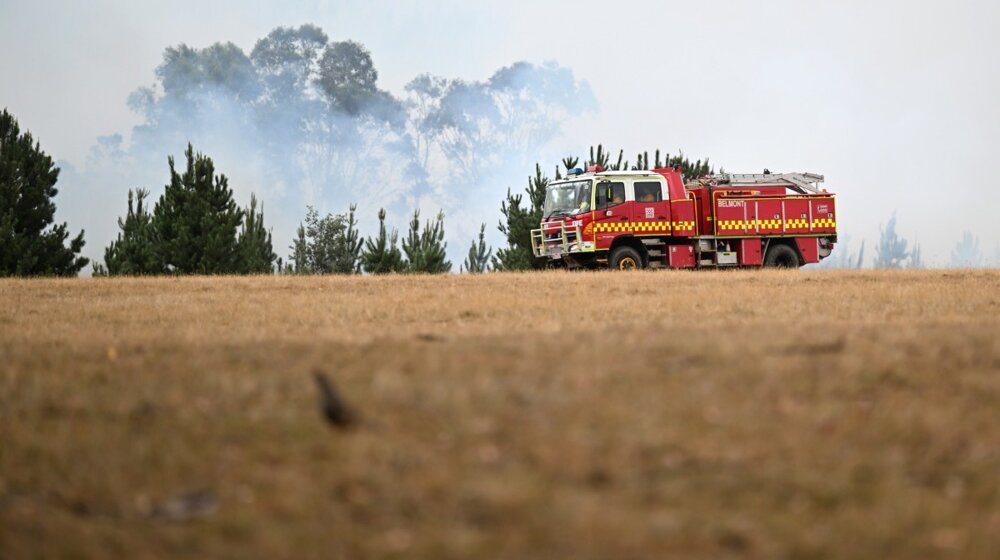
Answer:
(300, 120)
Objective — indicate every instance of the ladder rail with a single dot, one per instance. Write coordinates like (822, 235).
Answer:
(805, 183)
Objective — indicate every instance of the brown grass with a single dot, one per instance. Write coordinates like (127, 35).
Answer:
(557, 415)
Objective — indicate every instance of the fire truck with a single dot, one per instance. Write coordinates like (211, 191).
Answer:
(653, 219)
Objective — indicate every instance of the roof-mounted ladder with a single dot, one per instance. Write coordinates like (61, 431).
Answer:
(801, 182)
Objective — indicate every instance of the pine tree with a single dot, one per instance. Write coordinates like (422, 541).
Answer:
(891, 251)
(478, 258)
(256, 254)
(381, 255)
(196, 219)
(27, 186)
(966, 253)
(434, 248)
(916, 257)
(300, 253)
(348, 259)
(411, 245)
(425, 249)
(601, 158)
(136, 250)
(519, 220)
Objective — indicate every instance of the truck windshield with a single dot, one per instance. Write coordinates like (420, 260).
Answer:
(567, 198)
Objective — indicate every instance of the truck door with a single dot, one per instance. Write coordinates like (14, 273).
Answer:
(611, 216)
(651, 211)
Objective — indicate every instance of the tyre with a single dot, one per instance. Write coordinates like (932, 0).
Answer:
(625, 258)
(781, 256)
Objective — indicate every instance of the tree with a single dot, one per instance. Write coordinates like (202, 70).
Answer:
(916, 257)
(256, 254)
(136, 250)
(327, 245)
(425, 249)
(196, 219)
(299, 259)
(28, 246)
(381, 255)
(892, 251)
(285, 58)
(519, 219)
(185, 70)
(478, 258)
(347, 76)
(966, 253)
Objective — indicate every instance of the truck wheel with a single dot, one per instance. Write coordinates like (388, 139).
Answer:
(781, 256)
(625, 258)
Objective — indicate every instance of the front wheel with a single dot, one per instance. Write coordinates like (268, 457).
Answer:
(781, 256)
(625, 258)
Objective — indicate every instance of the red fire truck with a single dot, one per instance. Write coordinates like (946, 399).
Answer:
(638, 219)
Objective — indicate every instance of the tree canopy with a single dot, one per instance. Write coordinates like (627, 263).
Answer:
(30, 245)
(196, 219)
(195, 228)
(327, 245)
(136, 250)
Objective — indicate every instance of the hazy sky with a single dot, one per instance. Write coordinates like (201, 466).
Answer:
(895, 102)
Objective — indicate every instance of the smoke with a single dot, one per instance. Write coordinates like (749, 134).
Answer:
(300, 120)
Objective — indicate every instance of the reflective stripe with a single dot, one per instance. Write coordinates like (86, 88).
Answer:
(656, 227)
(615, 226)
(776, 224)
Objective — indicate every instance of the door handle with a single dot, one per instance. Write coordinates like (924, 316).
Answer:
(623, 219)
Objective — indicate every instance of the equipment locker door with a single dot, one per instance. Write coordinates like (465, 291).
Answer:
(611, 215)
(651, 211)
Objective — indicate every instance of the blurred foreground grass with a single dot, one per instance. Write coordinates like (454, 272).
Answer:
(768, 414)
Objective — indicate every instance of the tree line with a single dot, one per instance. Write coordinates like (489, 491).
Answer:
(195, 226)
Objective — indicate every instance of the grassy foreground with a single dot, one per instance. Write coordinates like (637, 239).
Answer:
(746, 414)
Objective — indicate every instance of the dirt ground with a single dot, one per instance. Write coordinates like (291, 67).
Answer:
(749, 414)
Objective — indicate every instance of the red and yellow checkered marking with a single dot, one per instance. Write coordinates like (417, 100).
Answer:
(651, 227)
(644, 227)
(795, 223)
(734, 224)
(602, 227)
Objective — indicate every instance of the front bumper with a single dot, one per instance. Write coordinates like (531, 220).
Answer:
(555, 239)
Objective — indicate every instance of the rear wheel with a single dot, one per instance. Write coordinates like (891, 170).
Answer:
(781, 256)
(625, 258)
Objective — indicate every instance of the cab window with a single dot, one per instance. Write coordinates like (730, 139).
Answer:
(610, 194)
(648, 191)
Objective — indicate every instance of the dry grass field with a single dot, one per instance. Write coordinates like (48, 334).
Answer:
(774, 414)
